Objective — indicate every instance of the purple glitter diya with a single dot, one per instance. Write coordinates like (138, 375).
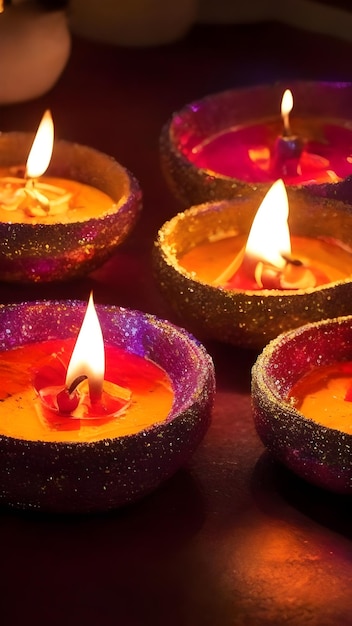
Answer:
(84, 476)
(37, 249)
(195, 246)
(235, 141)
(319, 453)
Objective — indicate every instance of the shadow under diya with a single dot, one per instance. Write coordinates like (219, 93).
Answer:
(282, 494)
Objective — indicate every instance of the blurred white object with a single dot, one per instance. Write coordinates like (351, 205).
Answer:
(132, 22)
(34, 48)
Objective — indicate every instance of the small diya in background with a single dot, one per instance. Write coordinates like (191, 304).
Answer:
(243, 275)
(61, 216)
(301, 396)
(233, 142)
(95, 425)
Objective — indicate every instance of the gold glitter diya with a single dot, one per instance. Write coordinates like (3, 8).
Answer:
(53, 459)
(236, 141)
(195, 246)
(301, 397)
(68, 222)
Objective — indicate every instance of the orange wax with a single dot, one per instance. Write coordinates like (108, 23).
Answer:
(208, 260)
(85, 203)
(23, 416)
(320, 395)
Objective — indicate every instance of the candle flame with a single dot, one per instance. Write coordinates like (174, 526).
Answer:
(88, 356)
(286, 108)
(269, 237)
(42, 147)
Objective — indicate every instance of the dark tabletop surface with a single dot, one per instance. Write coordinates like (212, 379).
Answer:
(233, 538)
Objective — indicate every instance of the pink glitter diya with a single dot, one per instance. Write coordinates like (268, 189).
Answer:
(301, 396)
(99, 463)
(236, 141)
(65, 224)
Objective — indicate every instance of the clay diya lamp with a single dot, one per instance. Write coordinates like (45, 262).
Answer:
(233, 142)
(301, 395)
(243, 275)
(65, 223)
(76, 436)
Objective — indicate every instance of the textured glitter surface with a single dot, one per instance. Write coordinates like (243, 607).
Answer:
(54, 252)
(249, 318)
(84, 477)
(319, 454)
(208, 117)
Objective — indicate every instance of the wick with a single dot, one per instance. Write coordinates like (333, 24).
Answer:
(30, 182)
(291, 261)
(75, 383)
(287, 127)
(34, 197)
(68, 399)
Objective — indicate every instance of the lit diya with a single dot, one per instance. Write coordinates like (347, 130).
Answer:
(87, 423)
(233, 142)
(302, 401)
(65, 223)
(242, 275)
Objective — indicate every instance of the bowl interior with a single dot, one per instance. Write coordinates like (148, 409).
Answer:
(289, 357)
(215, 113)
(73, 161)
(309, 217)
(178, 353)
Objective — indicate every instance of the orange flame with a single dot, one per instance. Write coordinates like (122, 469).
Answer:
(42, 148)
(269, 237)
(88, 356)
(286, 108)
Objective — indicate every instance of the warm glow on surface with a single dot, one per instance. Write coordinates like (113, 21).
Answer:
(88, 356)
(286, 108)
(269, 237)
(42, 147)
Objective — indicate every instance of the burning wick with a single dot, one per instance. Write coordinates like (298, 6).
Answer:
(68, 399)
(88, 356)
(86, 370)
(288, 148)
(266, 261)
(295, 275)
(42, 148)
(286, 108)
(36, 198)
(38, 161)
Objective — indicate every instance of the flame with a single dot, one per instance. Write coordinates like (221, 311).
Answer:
(286, 108)
(269, 237)
(42, 148)
(88, 356)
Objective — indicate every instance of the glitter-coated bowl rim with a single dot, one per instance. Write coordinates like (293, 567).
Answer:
(319, 454)
(95, 476)
(213, 113)
(55, 252)
(248, 318)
